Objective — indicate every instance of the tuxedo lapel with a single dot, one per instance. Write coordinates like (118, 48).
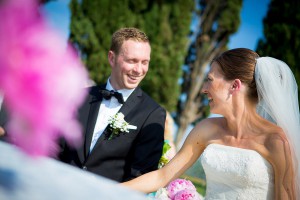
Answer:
(132, 101)
(94, 103)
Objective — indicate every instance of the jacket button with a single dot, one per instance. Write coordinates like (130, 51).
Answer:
(84, 168)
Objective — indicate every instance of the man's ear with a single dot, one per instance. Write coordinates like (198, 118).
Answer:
(111, 58)
(236, 86)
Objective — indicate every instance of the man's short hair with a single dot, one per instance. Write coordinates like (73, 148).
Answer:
(125, 34)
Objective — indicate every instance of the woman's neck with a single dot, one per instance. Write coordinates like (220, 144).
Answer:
(242, 120)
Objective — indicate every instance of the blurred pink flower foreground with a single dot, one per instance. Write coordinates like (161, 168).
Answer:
(41, 79)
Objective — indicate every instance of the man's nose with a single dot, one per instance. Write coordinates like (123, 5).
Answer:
(138, 68)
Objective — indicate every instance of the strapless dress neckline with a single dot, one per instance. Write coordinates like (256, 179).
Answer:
(236, 173)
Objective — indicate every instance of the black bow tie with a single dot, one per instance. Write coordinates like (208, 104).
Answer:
(108, 94)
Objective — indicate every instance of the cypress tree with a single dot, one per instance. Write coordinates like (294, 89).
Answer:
(282, 34)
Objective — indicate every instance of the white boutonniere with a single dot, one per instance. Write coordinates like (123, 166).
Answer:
(117, 124)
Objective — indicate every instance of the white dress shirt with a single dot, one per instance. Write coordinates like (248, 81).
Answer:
(107, 108)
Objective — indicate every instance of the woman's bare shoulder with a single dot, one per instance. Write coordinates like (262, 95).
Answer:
(208, 127)
(276, 142)
(213, 122)
(201, 135)
(275, 136)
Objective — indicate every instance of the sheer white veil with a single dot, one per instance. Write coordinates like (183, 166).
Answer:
(278, 102)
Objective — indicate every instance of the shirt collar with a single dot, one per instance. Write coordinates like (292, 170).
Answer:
(125, 92)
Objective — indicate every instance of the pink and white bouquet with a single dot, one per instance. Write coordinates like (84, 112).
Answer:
(179, 189)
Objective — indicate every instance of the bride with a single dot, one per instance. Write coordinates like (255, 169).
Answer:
(253, 151)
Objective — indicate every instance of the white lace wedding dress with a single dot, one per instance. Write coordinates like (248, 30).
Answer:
(235, 173)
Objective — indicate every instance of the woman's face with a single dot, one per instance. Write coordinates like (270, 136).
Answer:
(217, 90)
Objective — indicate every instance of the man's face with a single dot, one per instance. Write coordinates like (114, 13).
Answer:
(130, 66)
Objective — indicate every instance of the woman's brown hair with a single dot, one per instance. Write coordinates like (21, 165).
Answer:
(239, 64)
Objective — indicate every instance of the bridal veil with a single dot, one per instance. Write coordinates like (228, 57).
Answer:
(278, 102)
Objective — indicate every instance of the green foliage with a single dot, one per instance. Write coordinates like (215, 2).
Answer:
(228, 19)
(164, 159)
(165, 22)
(282, 34)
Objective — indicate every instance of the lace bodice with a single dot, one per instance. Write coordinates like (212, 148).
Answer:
(235, 173)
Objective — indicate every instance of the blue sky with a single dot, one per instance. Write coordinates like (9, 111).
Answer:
(250, 30)
(58, 15)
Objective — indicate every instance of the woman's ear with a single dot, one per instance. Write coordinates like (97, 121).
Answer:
(236, 86)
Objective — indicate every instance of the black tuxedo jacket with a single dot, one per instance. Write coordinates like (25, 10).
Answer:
(128, 155)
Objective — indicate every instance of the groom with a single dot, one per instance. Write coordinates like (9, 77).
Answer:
(117, 154)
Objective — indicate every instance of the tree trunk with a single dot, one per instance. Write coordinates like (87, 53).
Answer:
(209, 42)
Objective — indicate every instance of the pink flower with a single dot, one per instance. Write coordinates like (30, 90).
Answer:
(41, 79)
(187, 194)
(179, 189)
(178, 185)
